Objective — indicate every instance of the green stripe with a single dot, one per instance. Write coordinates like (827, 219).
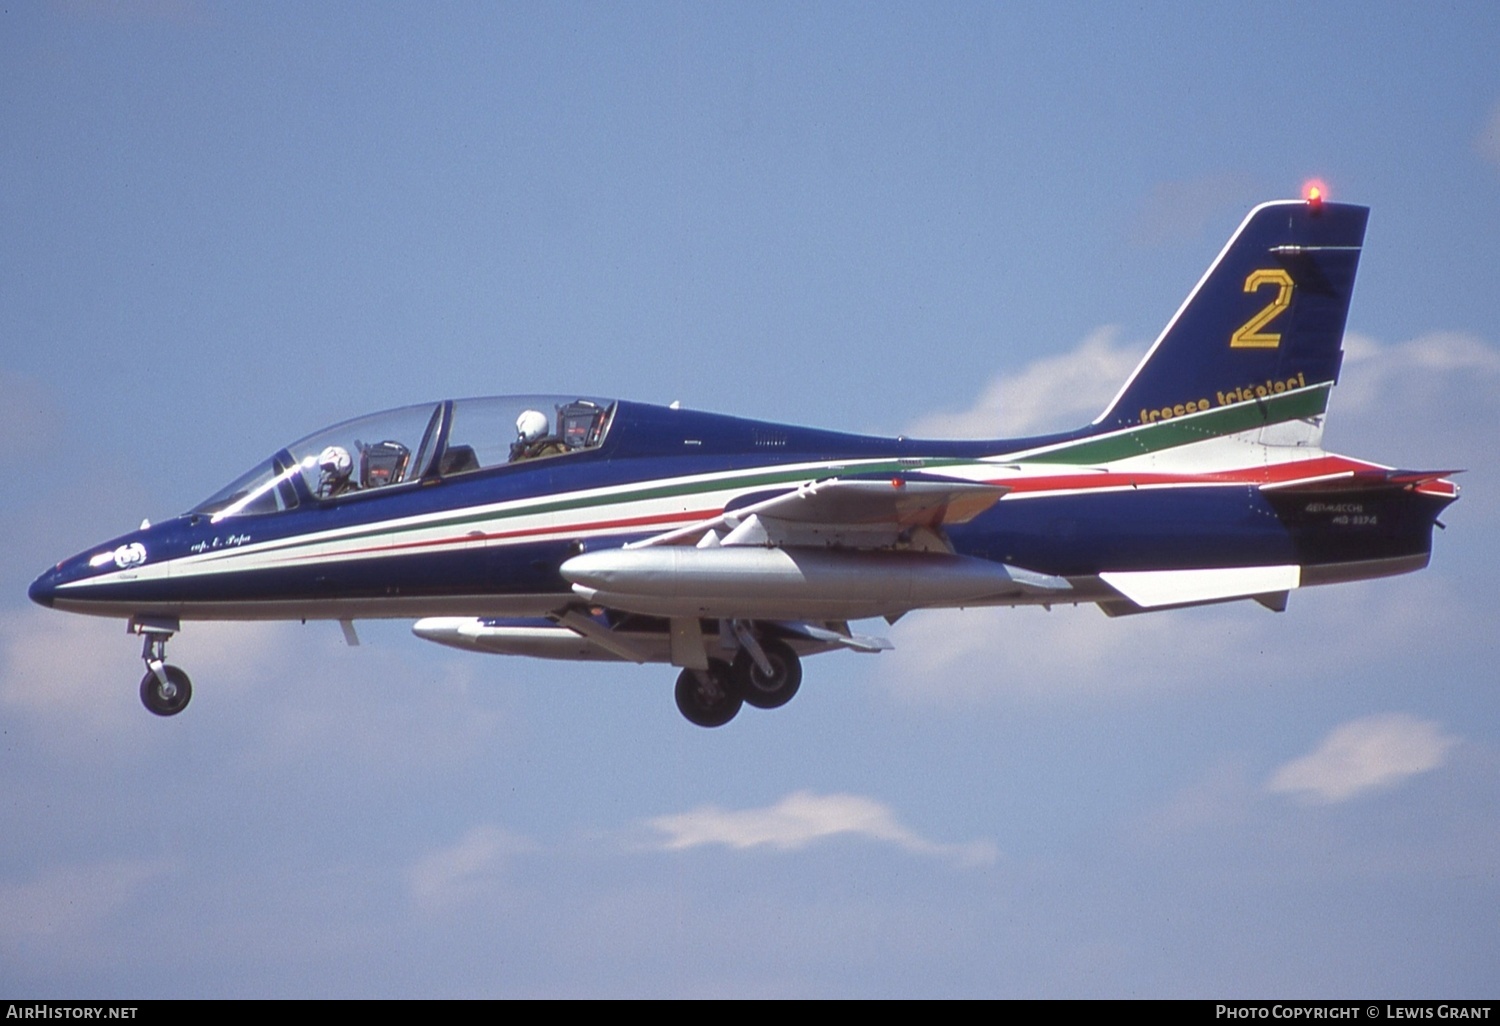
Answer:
(1197, 427)
(1165, 434)
(631, 495)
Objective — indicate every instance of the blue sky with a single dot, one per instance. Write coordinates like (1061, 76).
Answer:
(225, 226)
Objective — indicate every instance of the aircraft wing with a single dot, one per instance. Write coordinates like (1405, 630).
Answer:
(837, 549)
(853, 511)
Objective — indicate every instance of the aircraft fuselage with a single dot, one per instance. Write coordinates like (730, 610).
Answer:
(493, 542)
(576, 528)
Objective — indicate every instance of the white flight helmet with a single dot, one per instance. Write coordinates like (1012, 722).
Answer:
(335, 461)
(531, 426)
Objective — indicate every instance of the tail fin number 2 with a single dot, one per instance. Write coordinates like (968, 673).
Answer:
(1250, 335)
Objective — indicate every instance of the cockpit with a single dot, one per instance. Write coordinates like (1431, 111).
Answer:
(427, 442)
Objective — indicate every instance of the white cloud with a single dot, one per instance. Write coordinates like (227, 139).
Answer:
(465, 873)
(1374, 371)
(1053, 393)
(1367, 754)
(87, 669)
(801, 819)
(1429, 401)
(1071, 388)
(974, 658)
(66, 666)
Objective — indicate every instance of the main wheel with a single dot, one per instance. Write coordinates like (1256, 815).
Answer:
(776, 690)
(169, 700)
(708, 697)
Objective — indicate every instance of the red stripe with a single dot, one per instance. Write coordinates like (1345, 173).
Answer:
(1326, 466)
(600, 525)
(1276, 473)
(1439, 487)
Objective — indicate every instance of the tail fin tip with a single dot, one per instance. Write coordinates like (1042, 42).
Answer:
(1267, 318)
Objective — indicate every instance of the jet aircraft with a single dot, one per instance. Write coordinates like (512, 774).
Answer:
(585, 528)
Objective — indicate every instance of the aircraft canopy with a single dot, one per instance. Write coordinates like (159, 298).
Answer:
(403, 446)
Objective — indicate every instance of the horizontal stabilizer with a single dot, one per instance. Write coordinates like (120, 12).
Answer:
(1373, 479)
(1152, 589)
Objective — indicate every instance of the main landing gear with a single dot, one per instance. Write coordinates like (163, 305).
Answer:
(165, 690)
(767, 679)
(765, 673)
(709, 697)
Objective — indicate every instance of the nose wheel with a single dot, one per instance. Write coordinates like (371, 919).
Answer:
(168, 693)
(165, 690)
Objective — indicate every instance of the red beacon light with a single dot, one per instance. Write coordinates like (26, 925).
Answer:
(1313, 192)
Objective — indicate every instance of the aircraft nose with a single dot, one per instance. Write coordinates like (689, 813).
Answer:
(44, 588)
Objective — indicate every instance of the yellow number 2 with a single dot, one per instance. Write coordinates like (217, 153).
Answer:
(1250, 336)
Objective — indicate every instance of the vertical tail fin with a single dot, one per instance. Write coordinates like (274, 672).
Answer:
(1267, 319)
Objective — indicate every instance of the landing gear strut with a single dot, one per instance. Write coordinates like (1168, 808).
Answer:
(165, 690)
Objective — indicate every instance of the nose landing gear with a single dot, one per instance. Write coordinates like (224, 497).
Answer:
(165, 690)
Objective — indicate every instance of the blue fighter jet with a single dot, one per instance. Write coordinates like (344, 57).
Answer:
(578, 527)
